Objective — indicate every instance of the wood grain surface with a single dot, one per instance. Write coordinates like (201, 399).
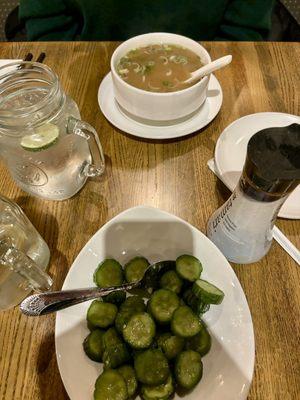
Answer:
(170, 175)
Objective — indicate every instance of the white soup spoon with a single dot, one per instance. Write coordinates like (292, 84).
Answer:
(208, 68)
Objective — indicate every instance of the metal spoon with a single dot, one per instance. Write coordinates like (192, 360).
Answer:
(208, 68)
(46, 303)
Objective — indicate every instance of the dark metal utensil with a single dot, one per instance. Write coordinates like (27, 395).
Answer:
(46, 303)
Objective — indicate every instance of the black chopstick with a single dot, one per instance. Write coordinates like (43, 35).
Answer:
(41, 58)
(28, 57)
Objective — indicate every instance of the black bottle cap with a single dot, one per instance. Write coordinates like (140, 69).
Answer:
(273, 160)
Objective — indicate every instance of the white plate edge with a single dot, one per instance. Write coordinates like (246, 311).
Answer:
(230, 269)
(163, 137)
(218, 144)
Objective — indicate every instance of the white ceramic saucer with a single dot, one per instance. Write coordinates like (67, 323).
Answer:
(154, 130)
(231, 148)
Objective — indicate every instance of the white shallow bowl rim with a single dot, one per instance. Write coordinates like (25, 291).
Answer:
(148, 93)
(251, 361)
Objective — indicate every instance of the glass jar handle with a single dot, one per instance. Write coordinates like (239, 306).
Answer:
(21, 264)
(87, 132)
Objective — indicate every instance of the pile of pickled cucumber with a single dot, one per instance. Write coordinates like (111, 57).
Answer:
(150, 343)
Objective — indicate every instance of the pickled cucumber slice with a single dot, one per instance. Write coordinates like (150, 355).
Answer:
(130, 378)
(101, 314)
(122, 319)
(151, 367)
(185, 323)
(171, 280)
(109, 273)
(195, 302)
(116, 298)
(161, 392)
(110, 385)
(152, 276)
(139, 331)
(115, 356)
(132, 305)
(110, 338)
(135, 269)
(93, 345)
(207, 292)
(188, 267)
(200, 342)
(188, 369)
(162, 305)
(170, 345)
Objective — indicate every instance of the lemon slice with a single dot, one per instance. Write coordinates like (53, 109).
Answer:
(43, 137)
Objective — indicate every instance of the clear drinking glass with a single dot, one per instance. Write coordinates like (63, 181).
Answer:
(49, 151)
(24, 256)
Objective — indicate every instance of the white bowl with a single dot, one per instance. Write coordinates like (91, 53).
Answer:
(157, 235)
(159, 106)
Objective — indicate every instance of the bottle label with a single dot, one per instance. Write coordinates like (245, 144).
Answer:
(229, 225)
(223, 217)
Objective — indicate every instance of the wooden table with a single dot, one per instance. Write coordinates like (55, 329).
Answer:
(172, 176)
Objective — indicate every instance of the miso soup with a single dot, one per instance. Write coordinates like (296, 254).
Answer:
(158, 67)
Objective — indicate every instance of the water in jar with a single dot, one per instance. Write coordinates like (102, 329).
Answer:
(57, 171)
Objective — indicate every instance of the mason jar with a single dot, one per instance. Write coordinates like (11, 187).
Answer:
(48, 150)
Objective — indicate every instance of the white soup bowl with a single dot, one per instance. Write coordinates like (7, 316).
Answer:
(159, 106)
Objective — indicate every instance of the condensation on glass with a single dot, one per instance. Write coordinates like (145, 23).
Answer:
(24, 256)
(33, 104)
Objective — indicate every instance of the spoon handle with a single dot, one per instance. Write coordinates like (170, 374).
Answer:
(46, 303)
(208, 68)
